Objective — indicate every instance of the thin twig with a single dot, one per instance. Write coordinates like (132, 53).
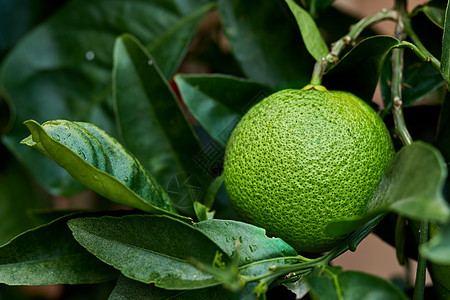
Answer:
(396, 94)
(338, 46)
(397, 77)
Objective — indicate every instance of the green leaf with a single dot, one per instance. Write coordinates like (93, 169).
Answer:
(246, 241)
(437, 250)
(419, 79)
(266, 43)
(314, 42)
(322, 287)
(62, 69)
(203, 212)
(127, 289)
(445, 59)
(250, 245)
(218, 102)
(435, 12)
(299, 288)
(179, 27)
(316, 6)
(99, 162)
(359, 70)
(353, 285)
(412, 186)
(18, 196)
(49, 255)
(151, 122)
(24, 15)
(213, 190)
(440, 275)
(443, 130)
(151, 249)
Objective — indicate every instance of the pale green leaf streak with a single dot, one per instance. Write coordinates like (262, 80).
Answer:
(212, 191)
(314, 42)
(445, 59)
(99, 162)
(203, 212)
(178, 36)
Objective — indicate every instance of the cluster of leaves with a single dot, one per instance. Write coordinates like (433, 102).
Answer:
(100, 78)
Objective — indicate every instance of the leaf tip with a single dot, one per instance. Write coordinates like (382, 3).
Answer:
(30, 140)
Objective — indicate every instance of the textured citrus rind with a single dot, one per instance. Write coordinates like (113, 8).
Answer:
(302, 158)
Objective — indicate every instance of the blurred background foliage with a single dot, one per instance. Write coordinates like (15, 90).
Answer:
(56, 62)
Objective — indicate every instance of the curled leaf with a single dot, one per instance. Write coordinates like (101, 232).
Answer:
(99, 162)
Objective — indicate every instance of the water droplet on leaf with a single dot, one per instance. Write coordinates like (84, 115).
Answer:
(90, 55)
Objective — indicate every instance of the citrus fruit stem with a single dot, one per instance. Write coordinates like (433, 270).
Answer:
(397, 79)
(319, 70)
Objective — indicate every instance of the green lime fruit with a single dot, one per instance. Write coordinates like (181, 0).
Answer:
(300, 159)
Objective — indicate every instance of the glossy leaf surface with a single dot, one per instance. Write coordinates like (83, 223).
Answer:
(218, 102)
(266, 43)
(18, 196)
(213, 190)
(50, 255)
(151, 249)
(24, 15)
(445, 59)
(151, 122)
(359, 70)
(246, 241)
(310, 33)
(353, 286)
(128, 289)
(419, 79)
(412, 186)
(437, 249)
(99, 162)
(250, 245)
(65, 65)
(440, 275)
(435, 13)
